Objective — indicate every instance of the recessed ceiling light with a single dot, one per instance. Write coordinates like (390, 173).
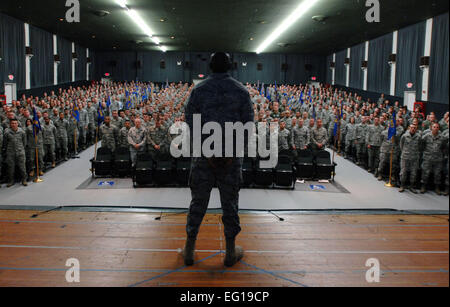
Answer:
(172, 37)
(251, 38)
(262, 22)
(61, 19)
(93, 36)
(162, 19)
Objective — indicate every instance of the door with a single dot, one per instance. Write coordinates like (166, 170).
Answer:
(410, 99)
(10, 93)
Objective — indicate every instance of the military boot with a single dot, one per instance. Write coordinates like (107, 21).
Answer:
(41, 173)
(402, 189)
(24, 183)
(411, 188)
(188, 251)
(423, 190)
(10, 184)
(438, 190)
(31, 173)
(233, 254)
(446, 191)
(53, 164)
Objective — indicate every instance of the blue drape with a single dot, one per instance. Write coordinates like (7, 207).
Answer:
(356, 73)
(80, 65)
(12, 42)
(411, 42)
(41, 67)
(379, 71)
(340, 68)
(65, 54)
(439, 61)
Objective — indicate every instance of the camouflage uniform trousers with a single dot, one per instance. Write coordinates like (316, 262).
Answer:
(349, 147)
(91, 132)
(429, 166)
(411, 166)
(385, 163)
(158, 154)
(82, 133)
(14, 159)
(62, 146)
(203, 175)
(360, 151)
(31, 156)
(374, 156)
(49, 151)
(134, 152)
(71, 142)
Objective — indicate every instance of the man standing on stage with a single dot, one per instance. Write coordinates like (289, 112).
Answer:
(218, 99)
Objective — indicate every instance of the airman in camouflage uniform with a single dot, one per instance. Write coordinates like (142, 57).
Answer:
(319, 137)
(373, 141)
(218, 99)
(158, 141)
(410, 146)
(360, 140)
(136, 140)
(92, 115)
(109, 134)
(32, 143)
(433, 144)
(49, 135)
(350, 129)
(15, 143)
(123, 135)
(300, 138)
(62, 127)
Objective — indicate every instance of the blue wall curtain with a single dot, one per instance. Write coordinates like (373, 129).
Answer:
(356, 73)
(80, 65)
(329, 73)
(12, 42)
(150, 66)
(439, 61)
(411, 42)
(340, 68)
(41, 67)
(379, 71)
(65, 54)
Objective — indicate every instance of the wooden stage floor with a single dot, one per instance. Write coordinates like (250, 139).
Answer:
(134, 249)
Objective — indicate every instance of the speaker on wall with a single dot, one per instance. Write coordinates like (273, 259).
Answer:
(162, 64)
(332, 64)
(57, 58)
(425, 61)
(365, 64)
(28, 51)
(259, 66)
(393, 58)
(347, 61)
(284, 67)
(308, 67)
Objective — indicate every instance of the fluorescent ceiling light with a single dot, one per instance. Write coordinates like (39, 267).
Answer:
(122, 3)
(140, 23)
(289, 21)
